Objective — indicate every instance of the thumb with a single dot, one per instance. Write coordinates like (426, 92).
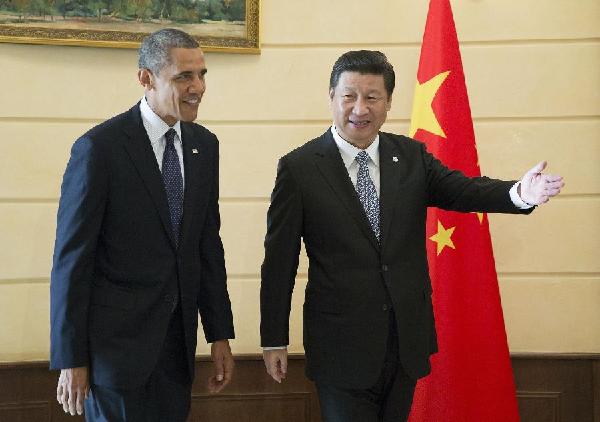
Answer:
(219, 369)
(538, 168)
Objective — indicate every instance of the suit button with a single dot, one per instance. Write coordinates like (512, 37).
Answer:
(384, 307)
(384, 268)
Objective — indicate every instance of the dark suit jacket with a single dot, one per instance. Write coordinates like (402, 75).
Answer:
(352, 279)
(116, 270)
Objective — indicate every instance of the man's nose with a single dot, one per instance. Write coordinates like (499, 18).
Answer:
(198, 84)
(360, 107)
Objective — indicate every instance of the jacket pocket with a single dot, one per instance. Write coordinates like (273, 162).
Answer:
(112, 296)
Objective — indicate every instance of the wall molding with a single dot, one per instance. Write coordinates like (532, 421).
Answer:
(551, 387)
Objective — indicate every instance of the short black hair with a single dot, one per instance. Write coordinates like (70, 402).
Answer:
(155, 51)
(365, 62)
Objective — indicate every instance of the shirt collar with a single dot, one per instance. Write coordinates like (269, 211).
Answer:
(155, 126)
(349, 151)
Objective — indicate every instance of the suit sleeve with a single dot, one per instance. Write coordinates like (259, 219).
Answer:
(452, 190)
(79, 218)
(282, 248)
(213, 299)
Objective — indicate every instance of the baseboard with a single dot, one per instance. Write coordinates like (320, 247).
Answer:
(550, 388)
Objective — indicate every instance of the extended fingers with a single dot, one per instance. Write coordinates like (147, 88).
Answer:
(72, 402)
(552, 178)
(81, 396)
(71, 393)
(553, 186)
(555, 183)
(65, 399)
(59, 393)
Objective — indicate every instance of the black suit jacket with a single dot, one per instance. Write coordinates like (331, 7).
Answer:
(352, 279)
(116, 271)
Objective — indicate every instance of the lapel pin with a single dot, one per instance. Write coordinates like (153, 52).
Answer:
(395, 159)
(194, 151)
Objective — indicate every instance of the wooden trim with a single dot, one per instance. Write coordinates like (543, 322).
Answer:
(300, 356)
(555, 356)
(596, 388)
(551, 387)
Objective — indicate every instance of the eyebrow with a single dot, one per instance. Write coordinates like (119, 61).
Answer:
(353, 91)
(189, 72)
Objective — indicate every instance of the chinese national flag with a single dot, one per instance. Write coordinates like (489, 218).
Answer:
(471, 378)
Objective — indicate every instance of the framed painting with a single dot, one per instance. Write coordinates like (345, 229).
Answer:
(218, 25)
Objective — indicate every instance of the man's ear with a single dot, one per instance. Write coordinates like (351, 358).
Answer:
(146, 78)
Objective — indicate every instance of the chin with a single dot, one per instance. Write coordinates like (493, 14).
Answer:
(189, 118)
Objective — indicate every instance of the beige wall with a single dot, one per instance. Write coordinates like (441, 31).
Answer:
(533, 74)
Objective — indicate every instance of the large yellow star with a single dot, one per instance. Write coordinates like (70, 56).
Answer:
(423, 116)
(443, 237)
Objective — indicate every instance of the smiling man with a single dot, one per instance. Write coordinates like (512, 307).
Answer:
(358, 197)
(138, 252)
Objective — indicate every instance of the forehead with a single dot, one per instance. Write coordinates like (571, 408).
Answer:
(182, 59)
(361, 81)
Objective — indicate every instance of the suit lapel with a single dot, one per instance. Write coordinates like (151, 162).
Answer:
(330, 164)
(198, 175)
(392, 165)
(140, 151)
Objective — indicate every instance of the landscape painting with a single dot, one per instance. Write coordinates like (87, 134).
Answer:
(223, 25)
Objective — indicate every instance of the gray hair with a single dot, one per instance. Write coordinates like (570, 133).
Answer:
(155, 51)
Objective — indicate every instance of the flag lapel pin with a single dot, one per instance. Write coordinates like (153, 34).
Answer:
(194, 151)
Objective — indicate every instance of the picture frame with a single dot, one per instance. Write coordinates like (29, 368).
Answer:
(216, 24)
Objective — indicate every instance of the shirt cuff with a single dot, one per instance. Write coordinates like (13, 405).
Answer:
(516, 199)
(275, 348)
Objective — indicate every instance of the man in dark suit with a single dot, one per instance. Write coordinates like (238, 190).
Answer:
(358, 199)
(138, 252)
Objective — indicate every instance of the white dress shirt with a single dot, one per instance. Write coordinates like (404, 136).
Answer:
(349, 153)
(156, 129)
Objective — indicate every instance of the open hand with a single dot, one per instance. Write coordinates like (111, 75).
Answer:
(73, 387)
(537, 188)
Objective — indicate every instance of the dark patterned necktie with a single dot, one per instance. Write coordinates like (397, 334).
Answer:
(367, 192)
(171, 173)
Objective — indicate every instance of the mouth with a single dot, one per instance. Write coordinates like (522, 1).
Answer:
(192, 101)
(359, 124)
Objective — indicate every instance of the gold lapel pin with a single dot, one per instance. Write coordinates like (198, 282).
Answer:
(194, 151)
(395, 159)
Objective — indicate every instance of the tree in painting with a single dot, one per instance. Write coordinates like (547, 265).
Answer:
(115, 11)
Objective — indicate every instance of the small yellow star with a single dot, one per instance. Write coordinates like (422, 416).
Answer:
(423, 116)
(480, 217)
(443, 237)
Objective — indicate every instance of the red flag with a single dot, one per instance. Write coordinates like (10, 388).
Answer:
(471, 378)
